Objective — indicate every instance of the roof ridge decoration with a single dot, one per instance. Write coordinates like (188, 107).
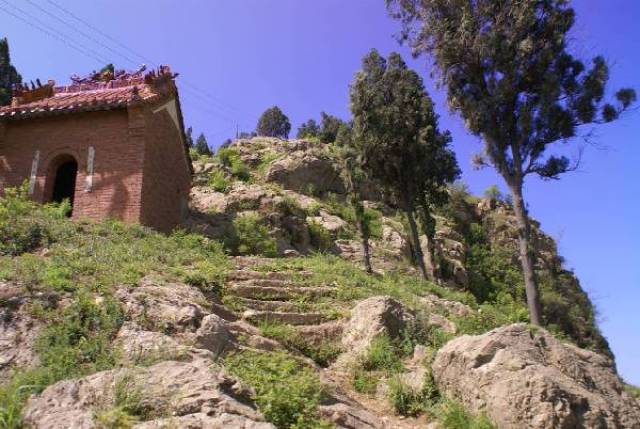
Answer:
(100, 90)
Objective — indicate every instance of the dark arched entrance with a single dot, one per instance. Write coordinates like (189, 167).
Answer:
(64, 181)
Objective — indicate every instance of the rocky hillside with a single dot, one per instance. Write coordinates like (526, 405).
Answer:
(258, 314)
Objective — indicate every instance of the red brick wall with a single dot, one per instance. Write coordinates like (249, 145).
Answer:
(119, 157)
(167, 178)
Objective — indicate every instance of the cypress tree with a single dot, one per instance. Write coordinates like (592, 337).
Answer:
(8, 74)
(510, 73)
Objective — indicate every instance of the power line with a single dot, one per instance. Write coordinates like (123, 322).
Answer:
(202, 95)
(221, 105)
(49, 33)
(88, 36)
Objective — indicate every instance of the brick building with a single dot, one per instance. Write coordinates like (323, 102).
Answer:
(112, 143)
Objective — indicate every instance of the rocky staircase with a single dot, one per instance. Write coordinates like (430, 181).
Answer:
(275, 296)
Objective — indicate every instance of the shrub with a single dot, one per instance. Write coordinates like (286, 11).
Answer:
(230, 158)
(323, 354)
(218, 181)
(251, 237)
(364, 381)
(382, 354)
(287, 392)
(24, 225)
(319, 236)
(374, 220)
(404, 399)
(452, 415)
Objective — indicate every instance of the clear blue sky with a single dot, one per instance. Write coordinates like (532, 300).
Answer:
(247, 55)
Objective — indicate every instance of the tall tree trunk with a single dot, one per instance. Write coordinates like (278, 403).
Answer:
(429, 228)
(409, 208)
(364, 232)
(527, 255)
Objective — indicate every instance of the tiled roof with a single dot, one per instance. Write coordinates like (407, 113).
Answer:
(88, 96)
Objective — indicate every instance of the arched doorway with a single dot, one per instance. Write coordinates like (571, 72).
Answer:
(64, 173)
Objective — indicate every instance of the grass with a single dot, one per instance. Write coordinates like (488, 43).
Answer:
(218, 181)
(323, 354)
(287, 391)
(250, 236)
(451, 414)
(40, 249)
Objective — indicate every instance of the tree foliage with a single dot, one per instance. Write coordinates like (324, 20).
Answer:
(9, 76)
(202, 147)
(273, 123)
(188, 136)
(329, 127)
(508, 71)
(308, 129)
(401, 145)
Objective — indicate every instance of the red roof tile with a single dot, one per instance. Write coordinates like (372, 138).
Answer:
(91, 96)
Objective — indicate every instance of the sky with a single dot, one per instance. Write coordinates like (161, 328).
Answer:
(238, 57)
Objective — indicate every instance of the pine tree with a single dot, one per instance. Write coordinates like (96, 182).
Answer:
(8, 74)
(510, 73)
(188, 135)
(400, 143)
(273, 123)
(308, 129)
(329, 127)
(202, 147)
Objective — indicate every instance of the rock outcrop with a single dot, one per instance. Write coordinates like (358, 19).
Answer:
(524, 377)
(169, 394)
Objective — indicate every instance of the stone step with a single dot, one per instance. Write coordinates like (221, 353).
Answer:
(278, 293)
(283, 317)
(245, 274)
(256, 304)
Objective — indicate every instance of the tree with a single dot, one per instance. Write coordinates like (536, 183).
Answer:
(329, 127)
(354, 175)
(8, 74)
(202, 147)
(308, 129)
(273, 123)
(188, 135)
(401, 146)
(508, 71)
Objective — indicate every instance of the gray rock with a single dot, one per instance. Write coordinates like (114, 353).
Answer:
(194, 393)
(527, 378)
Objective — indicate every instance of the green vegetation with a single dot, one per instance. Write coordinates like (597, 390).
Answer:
(410, 159)
(287, 391)
(9, 76)
(319, 237)
(554, 96)
(323, 353)
(273, 123)
(218, 181)
(202, 147)
(452, 415)
(250, 236)
(230, 158)
(83, 259)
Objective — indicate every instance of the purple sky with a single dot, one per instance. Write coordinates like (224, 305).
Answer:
(238, 57)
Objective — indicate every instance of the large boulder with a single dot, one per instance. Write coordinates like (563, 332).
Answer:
(371, 318)
(175, 394)
(524, 377)
(306, 171)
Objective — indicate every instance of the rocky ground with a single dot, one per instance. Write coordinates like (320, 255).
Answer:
(275, 334)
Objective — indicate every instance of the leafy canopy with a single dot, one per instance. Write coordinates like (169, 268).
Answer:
(508, 71)
(273, 123)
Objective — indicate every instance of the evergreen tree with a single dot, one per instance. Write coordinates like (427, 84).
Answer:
(8, 74)
(510, 73)
(329, 127)
(400, 143)
(308, 129)
(202, 147)
(273, 123)
(188, 135)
